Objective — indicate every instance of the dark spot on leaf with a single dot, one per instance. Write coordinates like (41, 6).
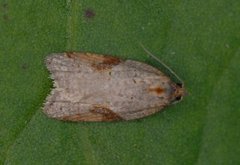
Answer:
(5, 18)
(4, 9)
(25, 66)
(89, 13)
(5, 6)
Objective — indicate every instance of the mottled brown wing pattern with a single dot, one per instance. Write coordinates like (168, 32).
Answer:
(70, 111)
(91, 87)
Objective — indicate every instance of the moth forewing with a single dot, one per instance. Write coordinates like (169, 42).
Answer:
(92, 87)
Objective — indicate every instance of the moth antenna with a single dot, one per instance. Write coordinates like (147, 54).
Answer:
(162, 63)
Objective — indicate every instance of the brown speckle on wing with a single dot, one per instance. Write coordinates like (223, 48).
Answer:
(91, 87)
(157, 90)
(107, 114)
(98, 62)
(97, 113)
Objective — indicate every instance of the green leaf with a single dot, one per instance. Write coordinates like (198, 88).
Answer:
(200, 40)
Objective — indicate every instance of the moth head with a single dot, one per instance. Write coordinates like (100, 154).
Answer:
(178, 92)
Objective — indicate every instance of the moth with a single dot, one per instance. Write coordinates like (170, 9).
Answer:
(92, 87)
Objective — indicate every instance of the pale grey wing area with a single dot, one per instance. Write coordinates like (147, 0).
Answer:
(143, 90)
(128, 90)
(76, 82)
(71, 111)
(60, 62)
(142, 67)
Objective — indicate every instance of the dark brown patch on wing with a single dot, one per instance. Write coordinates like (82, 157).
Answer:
(76, 117)
(107, 63)
(157, 90)
(91, 116)
(98, 62)
(70, 54)
(106, 113)
(97, 113)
